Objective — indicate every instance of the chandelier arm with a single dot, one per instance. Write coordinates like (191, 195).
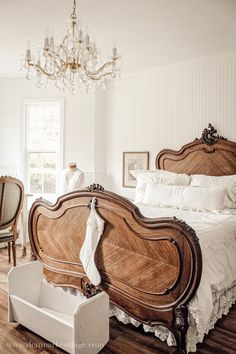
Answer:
(96, 78)
(98, 70)
(63, 41)
(63, 47)
(64, 62)
(39, 68)
(62, 71)
(52, 56)
(45, 72)
(60, 59)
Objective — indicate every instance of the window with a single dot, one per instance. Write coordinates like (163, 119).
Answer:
(42, 148)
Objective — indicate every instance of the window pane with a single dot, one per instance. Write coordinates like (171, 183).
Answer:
(35, 160)
(42, 172)
(49, 160)
(49, 185)
(43, 126)
(36, 183)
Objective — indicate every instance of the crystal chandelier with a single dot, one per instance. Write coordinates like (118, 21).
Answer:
(73, 64)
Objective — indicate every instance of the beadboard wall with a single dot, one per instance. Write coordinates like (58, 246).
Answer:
(168, 107)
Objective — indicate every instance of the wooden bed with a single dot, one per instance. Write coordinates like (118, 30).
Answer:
(151, 268)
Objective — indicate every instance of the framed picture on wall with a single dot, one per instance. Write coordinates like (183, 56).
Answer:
(133, 161)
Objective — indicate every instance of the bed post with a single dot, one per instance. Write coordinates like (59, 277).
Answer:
(181, 328)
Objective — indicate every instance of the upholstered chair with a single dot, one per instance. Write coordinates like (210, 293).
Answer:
(11, 201)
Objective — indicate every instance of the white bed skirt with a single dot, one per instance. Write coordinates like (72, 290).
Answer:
(222, 303)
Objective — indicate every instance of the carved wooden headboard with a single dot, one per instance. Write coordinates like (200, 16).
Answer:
(211, 155)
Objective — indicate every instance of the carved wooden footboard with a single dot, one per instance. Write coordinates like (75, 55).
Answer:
(151, 268)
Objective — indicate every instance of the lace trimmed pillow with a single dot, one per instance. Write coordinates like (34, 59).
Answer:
(159, 177)
(184, 197)
(227, 182)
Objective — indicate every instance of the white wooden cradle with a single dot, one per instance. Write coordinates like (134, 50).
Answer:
(75, 324)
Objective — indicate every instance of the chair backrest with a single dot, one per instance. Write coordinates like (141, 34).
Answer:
(11, 201)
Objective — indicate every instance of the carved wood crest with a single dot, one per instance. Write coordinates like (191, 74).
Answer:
(210, 135)
(95, 187)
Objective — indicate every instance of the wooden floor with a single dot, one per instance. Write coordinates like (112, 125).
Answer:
(123, 338)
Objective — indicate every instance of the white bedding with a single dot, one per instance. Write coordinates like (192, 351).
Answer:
(217, 236)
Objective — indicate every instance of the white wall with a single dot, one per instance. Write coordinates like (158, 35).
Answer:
(79, 128)
(100, 137)
(168, 107)
(148, 111)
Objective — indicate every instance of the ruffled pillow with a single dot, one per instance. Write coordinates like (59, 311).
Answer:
(227, 182)
(184, 197)
(157, 176)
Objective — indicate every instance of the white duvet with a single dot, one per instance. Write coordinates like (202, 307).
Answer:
(217, 290)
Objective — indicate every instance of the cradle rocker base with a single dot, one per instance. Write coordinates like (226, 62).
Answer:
(77, 325)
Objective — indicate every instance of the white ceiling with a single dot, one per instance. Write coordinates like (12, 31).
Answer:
(148, 33)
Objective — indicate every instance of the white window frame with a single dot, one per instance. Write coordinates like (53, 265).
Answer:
(24, 151)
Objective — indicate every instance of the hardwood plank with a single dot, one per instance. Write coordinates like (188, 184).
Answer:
(16, 339)
(123, 346)
(230, 335)
(221, 340)
(218, 348)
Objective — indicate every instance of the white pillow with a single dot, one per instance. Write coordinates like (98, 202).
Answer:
(219, 181)
(197, 198)
(227, 182)
(157, 176)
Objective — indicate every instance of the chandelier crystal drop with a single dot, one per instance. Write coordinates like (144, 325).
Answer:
(74, 64)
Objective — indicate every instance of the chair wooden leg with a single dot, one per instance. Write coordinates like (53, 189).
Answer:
(14, 252)
(24, 251)
(9, 251)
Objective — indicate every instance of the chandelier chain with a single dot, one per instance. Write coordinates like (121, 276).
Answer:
(74, 9)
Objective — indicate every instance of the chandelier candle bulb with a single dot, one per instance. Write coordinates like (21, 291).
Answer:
(47, 33)
(73, 64)
(114, 53)
(28, 44)
(51, 40)
(28, 54)
(87, 40)
(46, 43)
